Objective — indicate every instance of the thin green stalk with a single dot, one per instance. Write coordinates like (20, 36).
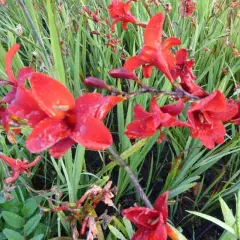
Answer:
(131, 175)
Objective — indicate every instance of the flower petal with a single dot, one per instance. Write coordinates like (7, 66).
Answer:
(133, 63)
(181, 56)
(95, 105)
(46, 134)
(153, 31)
(91, 133)
(23, 74)
(140, 113)
(142, 217)
(61, 147)
(52, 96)
(147, 71)
(173, 109)
(8, 61)
(161, 205)
(24, 106)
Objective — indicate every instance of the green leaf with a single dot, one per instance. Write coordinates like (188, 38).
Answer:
(12, 235)
(215, 220)
(32, 224)
(29, 207)
(55, 43)
(227, 213)
(116, 232)
(13, 219)
(38, 237)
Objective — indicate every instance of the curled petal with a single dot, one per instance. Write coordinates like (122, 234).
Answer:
(153, 31)
(123, 73)
(51, 95)
(92, 134)
(171, 42)
(173, 109)
(23, 74)
(46, 134)
(140, 113)
(8, 61)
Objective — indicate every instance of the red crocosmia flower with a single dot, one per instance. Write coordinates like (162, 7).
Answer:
(206, 117)
(154, 52)
(147, 123)
(17, 86)
(183, 69)
(187, 8)
(151, 223)
(68, 120)
(120, 12)
(236, 118)
(18, 167)
(235, 4)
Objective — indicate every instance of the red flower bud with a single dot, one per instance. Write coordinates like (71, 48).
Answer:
(123, 73)
(96, 82)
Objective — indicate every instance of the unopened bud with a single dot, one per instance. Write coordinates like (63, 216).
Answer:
(96, 82)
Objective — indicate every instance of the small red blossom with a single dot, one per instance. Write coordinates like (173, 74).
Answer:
(236, 118)
(206, 117)
(146, 124)
(16, 86)
(152, 223)
(235, 4)
(187, 8)
(154, 52)
(66, 120)
(183, 69)
(18, 167)
(120, 12)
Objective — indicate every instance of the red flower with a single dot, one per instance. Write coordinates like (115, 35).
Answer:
(183, 69)
(236, 118)
(18, 167)
(121, 12)
(206, 117)
(66, 120)
(154, 52)
(187, 8)
(147, 123)
(151, 223)
(17, 85)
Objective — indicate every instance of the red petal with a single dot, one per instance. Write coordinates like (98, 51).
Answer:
(232, 110)
(173, 109)
(95, 105)
(24, 106)
(123, 73)
(147, 71)
(154, 108)
(23, 74)
(171, 42)
(142, 234)
(133, 63)
(52, 96)
(161, 205)
(215, 102)
(140, 129)
(153, 31)
(46, 134)
(92, 134)
(140, 113)
(142, 217)
(181, 56)
(8, 61)
(61, 147)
